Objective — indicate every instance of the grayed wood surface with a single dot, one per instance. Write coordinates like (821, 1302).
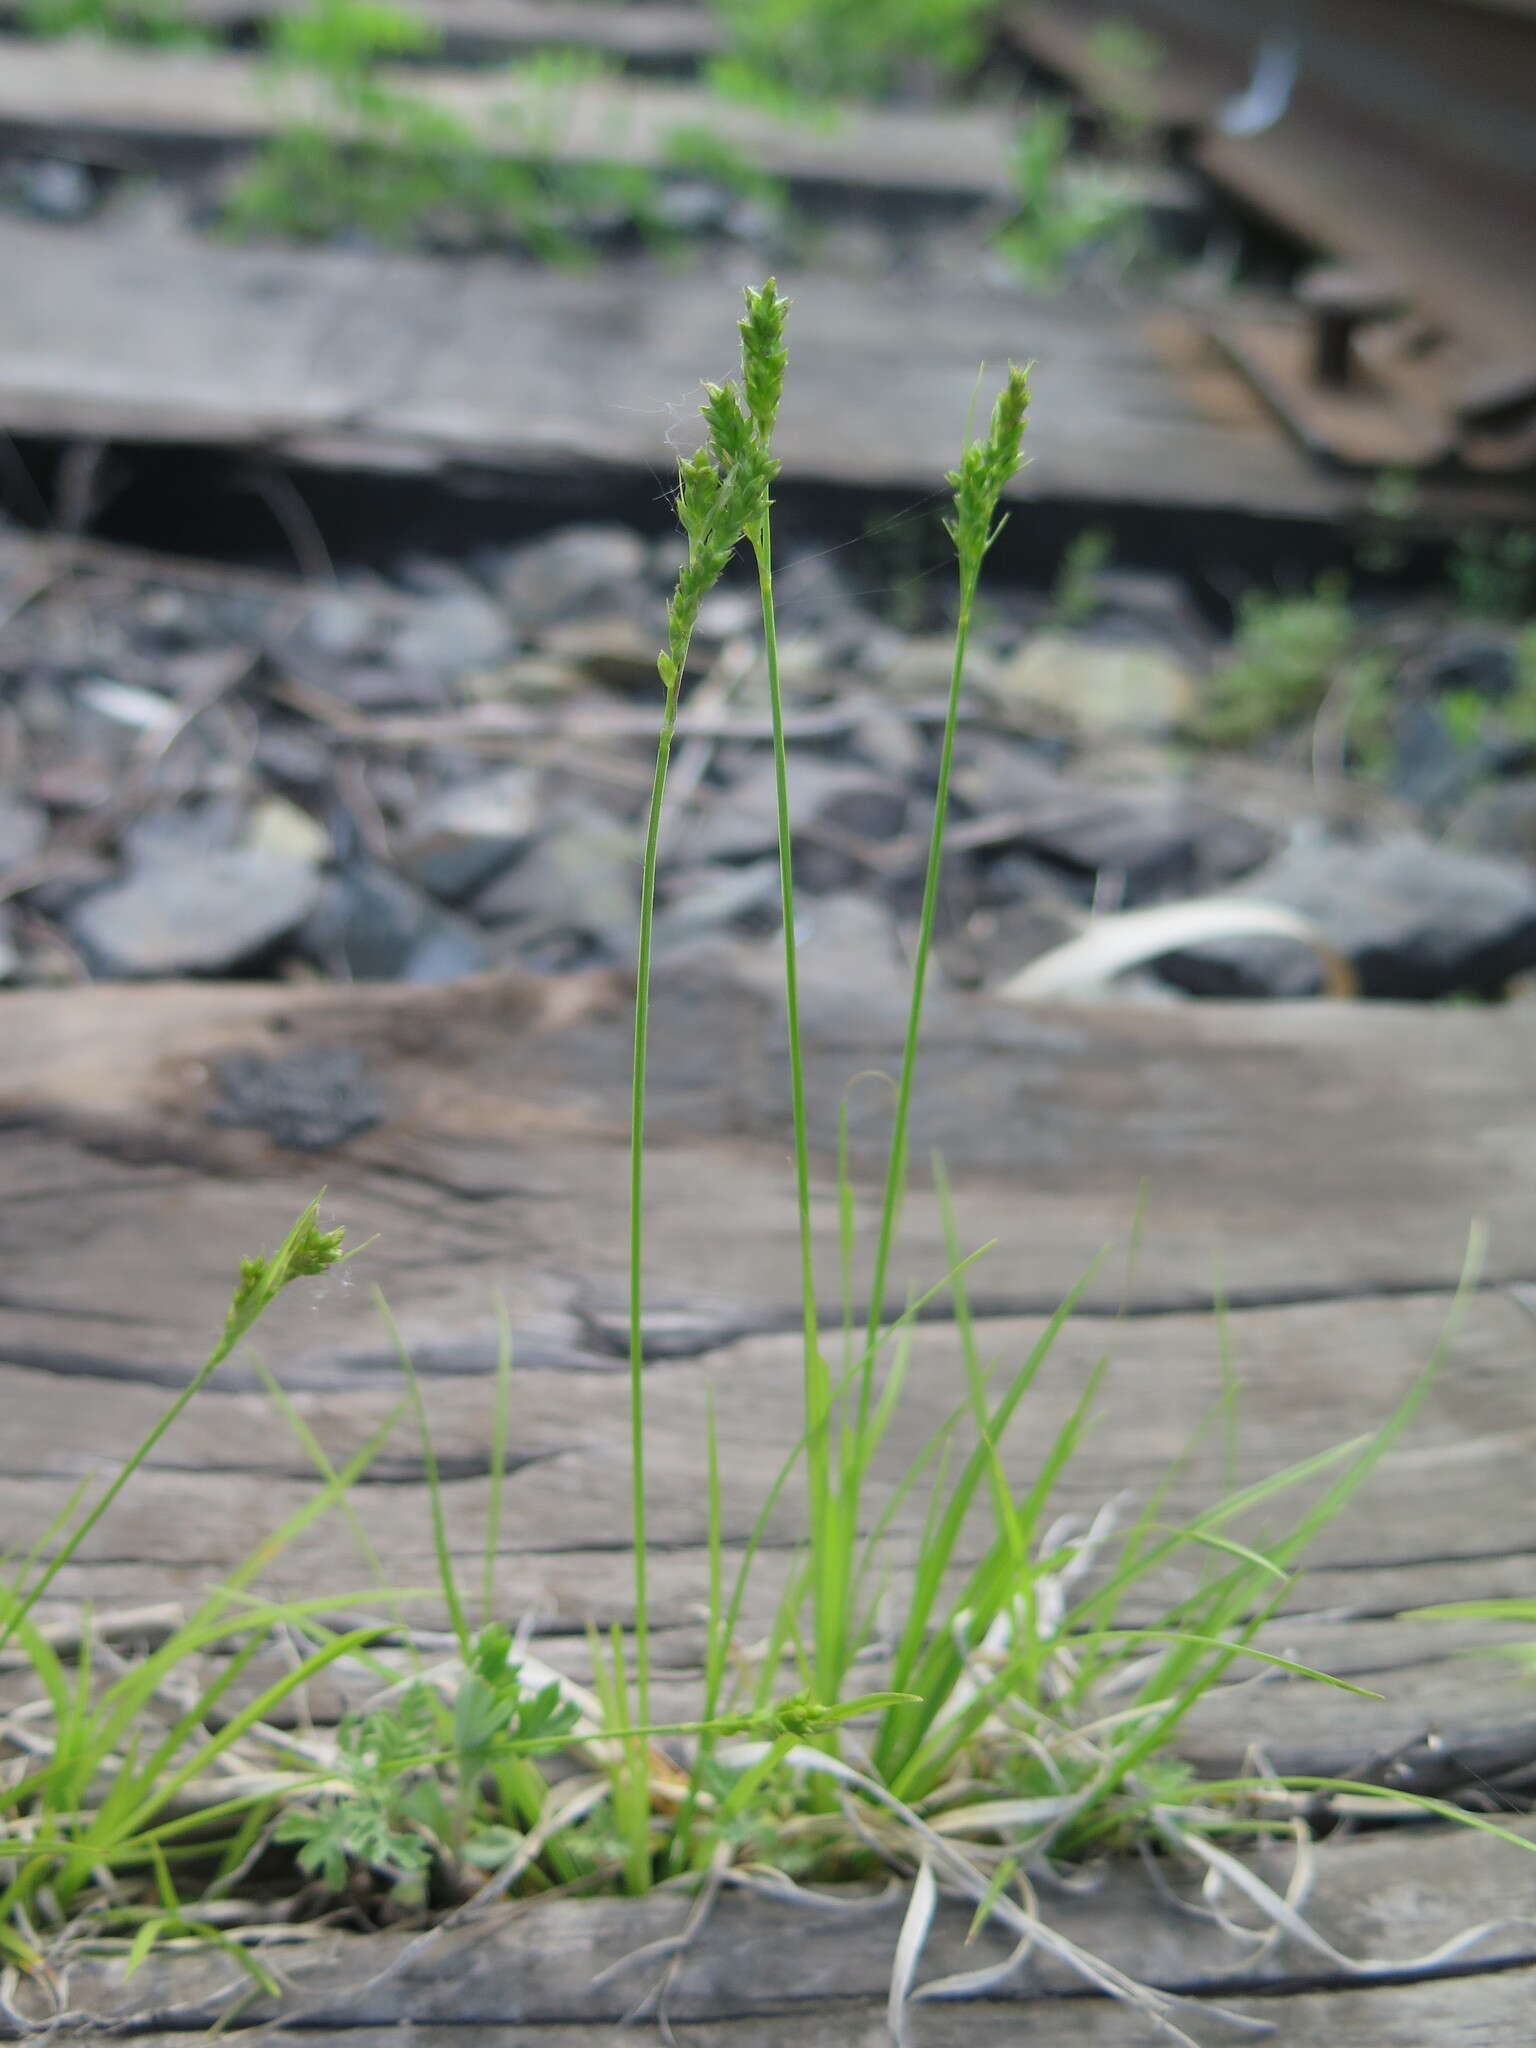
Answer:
(136, 328)
(1486, 2012)
(101, 90)
(1323, 1160)
(546, 1972)
(1283, 1158)
(670, 31)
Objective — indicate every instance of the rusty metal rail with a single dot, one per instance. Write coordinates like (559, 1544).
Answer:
(1396, 138)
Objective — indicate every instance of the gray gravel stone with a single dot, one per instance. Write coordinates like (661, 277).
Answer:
(576, 570)
(1156, 842)
(23, 828)
(714, 898)
(202, 916)
(464, 835)
(342, 625)
(1499, 818)
(1417, 920)
(458, 630)
(54, 188)
(582, 875)
(1098, 686)
(610, 647)
(371, 924)
(182, 834)
(832, 796)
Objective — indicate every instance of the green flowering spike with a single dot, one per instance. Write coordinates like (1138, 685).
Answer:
(987, 468)
(1005, 438)
(730, 431)
(798, 1716)
(744, 493)
(715, 510)
(698, 492)
(306, 1251)
(313, 1251)
(764, 357)
(250, 1291)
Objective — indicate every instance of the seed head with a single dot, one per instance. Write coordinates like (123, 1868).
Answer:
(723, 488)
(987, 467)
(764, 357)
(698, 492)
(730, 431)
(307, 1250)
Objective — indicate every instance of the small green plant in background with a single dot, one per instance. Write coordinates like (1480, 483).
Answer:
(372, 156)
(1519, 708)
(694, 149)
(162, 22)
(1075, 593)
(1390, 505)
(1493, 572)
(1473, 719)
(792, 53)
(1129, 53)
(1061, 209)
(1286, 656)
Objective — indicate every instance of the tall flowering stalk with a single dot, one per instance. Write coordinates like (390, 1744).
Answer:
(986, 469)
(722, 497)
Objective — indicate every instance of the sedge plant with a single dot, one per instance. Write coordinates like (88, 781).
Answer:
(1035, 1685)
(1033, 1667)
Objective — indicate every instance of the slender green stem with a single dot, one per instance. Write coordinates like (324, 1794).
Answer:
(896, 1163)
(817, 1388)
(637, 1193)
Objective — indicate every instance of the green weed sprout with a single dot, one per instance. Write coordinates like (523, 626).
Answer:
(1074, 595)
(794, 53)
(390, 161)
(1288, 653)
(1056, 213)
(160, 22)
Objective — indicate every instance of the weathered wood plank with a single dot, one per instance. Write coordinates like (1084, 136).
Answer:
(1183, 90)
(1384, 1898)
(1283, 1159)
(1480, 2012)
(140, 329)
(1313, 1377)
(1280, 1148)
(569, 1484)
(106, 91)
(659, 31)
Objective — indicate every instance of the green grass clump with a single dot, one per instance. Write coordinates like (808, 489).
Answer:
(789, 52)
(1075, 593)
(1059, 211)
(1287, 655)
(384, 161)
(161, 22)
